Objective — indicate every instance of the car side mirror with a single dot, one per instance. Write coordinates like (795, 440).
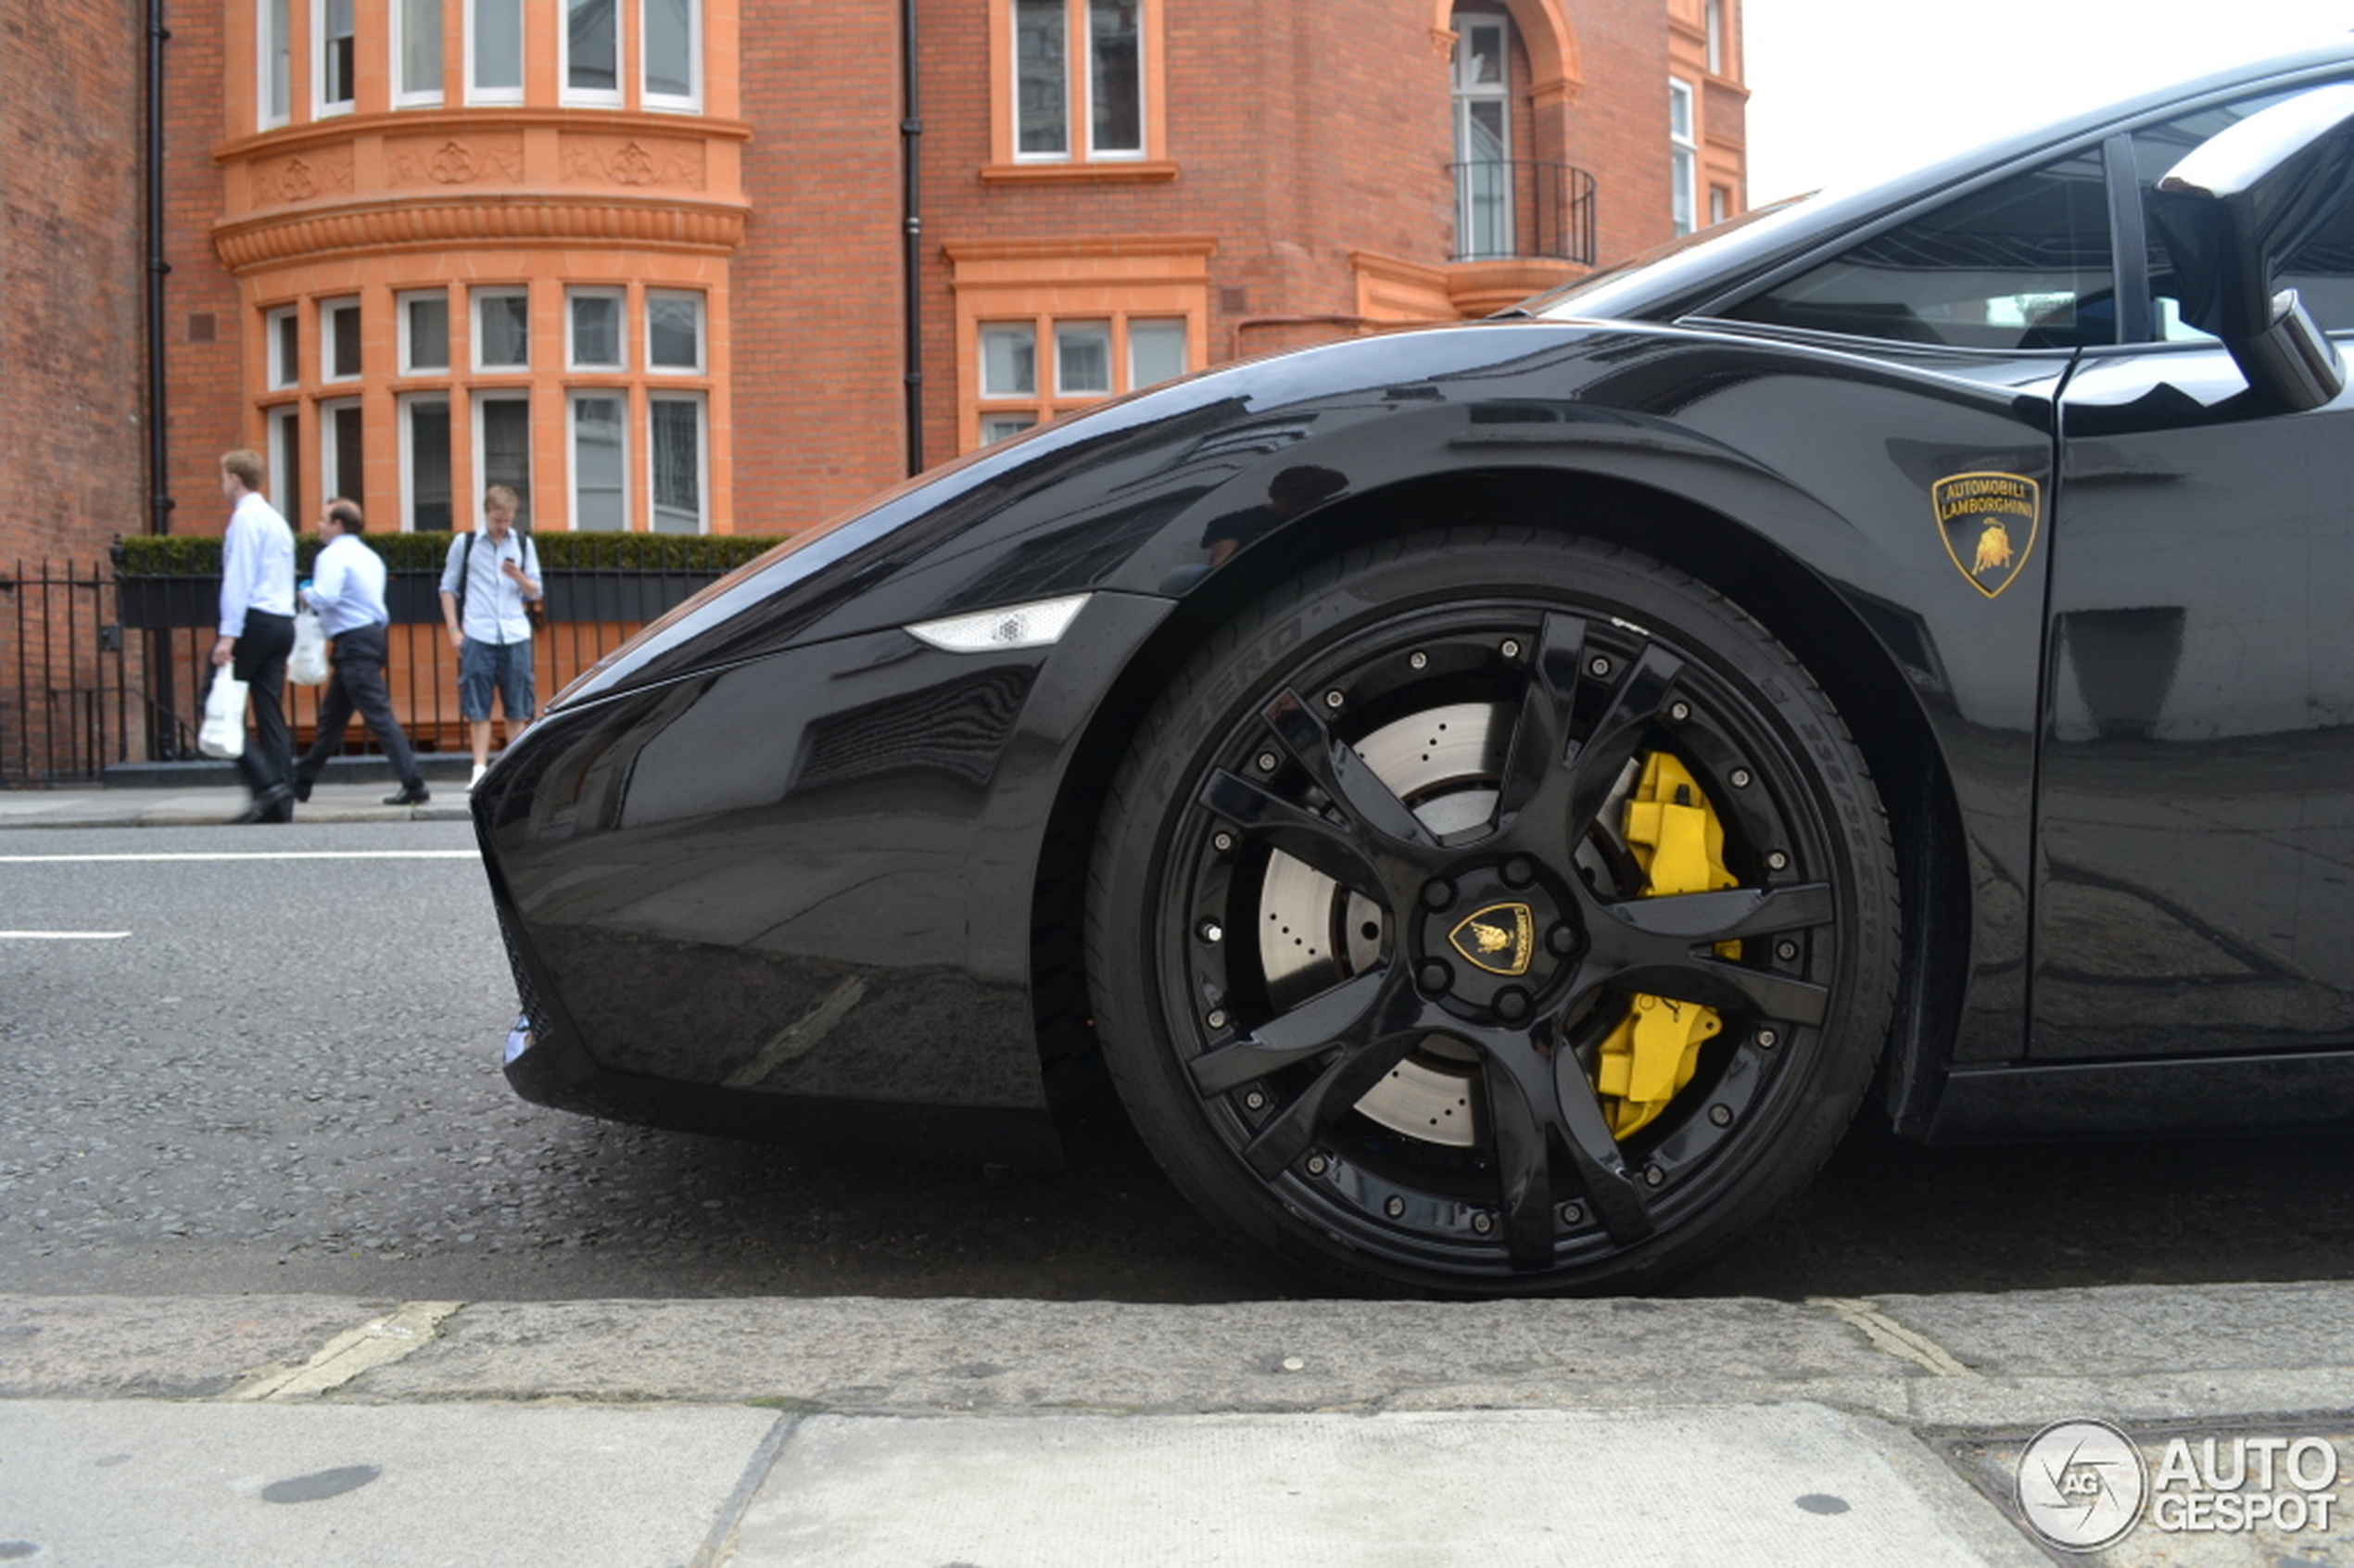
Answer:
(2241, 201)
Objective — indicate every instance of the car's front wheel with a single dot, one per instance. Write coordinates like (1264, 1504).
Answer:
(1492, 915)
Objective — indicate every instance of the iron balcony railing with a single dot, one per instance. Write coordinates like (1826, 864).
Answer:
(1512, 210)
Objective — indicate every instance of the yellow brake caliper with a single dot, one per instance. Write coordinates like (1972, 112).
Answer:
(1680, 845)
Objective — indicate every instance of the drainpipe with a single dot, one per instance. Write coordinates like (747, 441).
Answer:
(911, 130)
(158, 445)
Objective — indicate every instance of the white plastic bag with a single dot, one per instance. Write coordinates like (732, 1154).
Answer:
(307, 665)
(223, 733)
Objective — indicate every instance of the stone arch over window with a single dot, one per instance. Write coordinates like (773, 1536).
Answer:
(1543, 28)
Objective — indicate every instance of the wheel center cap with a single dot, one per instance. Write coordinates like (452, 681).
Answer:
(1501, 939)
(1491, 937)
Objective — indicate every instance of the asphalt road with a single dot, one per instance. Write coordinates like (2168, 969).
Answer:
(284, 1079)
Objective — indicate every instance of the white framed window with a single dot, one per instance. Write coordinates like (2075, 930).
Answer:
(425, 499)
(600, 423)
(282, 346)
(590, 53)
(674, 332)
(593, 335)
(1156, 351)
(416, 53)
(1010, 360)
(425, 332)
(1082, 359)
(281, 443)
(1031, 371)
(494, 51)
(1716, 22)
(670, 56)
(274, 73)
(1077, 63)
(341, 469)
(1720, 203)
(677, 455)
(502, 329)
(502, 447)
(1483, 139)
(331, 33)
(340, 341)
(1683, 157)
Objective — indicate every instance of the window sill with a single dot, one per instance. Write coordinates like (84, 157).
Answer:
(1107, 171)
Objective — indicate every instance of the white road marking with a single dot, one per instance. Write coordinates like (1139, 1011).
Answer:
(244, 855)
(63, 936)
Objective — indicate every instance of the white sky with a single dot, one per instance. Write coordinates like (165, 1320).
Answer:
(1848, 89)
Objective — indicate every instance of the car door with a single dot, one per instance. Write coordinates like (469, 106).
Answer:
(2194, 894)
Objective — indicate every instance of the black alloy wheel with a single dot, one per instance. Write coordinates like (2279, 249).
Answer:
(1489, 915)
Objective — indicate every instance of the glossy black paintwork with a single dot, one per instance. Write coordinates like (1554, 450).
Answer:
(778, 856)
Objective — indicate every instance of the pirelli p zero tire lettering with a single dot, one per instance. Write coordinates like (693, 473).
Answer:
(1492, 914)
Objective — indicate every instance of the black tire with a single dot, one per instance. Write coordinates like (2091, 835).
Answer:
(1368, 907)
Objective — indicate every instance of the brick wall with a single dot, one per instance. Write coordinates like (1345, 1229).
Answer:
(72, 419)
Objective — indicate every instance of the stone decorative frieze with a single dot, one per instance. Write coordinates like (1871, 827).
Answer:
(323, 171)
(636, 162)
(450, 161)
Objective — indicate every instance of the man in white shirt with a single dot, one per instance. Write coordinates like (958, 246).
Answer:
(256, 630)
(346, 588)
(489, 576)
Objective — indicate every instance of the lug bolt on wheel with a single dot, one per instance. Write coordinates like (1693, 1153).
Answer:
(1519, 871)
(1512, 1004)
(1435, 977)
(1438, 894)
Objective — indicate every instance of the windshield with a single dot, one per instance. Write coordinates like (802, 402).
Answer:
(1572, 298)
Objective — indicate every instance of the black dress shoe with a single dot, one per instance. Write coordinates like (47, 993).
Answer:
(274, 805)
(411, 794)
(301, 787)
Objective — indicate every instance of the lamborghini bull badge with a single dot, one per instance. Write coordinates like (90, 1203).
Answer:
(1988, 522)
(1501, 939)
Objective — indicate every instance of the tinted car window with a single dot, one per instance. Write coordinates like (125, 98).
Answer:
(2321, 270)
(2021, 264)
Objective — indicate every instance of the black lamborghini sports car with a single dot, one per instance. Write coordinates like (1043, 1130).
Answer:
(1496, 798)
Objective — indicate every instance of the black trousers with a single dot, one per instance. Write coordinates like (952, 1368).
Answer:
(356, 684)
(260, 662)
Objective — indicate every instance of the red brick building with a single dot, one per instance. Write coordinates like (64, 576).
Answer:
(648, 260)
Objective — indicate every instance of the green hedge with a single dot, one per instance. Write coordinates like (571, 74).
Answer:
(198, 555)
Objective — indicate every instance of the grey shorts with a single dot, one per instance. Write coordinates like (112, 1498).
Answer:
(505, 667)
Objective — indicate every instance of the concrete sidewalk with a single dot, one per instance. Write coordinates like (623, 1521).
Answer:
(996, 1434)
(203, 797)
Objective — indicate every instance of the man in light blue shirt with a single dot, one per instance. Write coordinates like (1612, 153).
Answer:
(256, 630)
(489, 577)
(346, 588)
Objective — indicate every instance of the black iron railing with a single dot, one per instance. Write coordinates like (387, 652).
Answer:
(100, 667)
(1509, 210)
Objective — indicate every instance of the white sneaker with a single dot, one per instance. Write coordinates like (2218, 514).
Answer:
(479, 770)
